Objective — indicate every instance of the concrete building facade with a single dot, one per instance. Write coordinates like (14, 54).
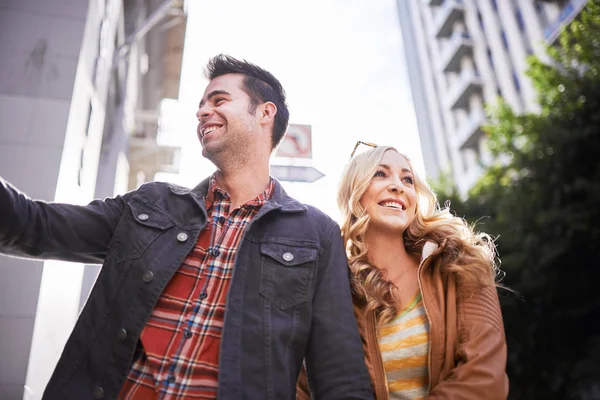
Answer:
(461, 56)
(75, 76)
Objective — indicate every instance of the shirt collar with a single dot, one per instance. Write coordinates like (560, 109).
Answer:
(215, 193)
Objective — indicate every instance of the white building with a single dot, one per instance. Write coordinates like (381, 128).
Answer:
(462, 55)
(81, 82)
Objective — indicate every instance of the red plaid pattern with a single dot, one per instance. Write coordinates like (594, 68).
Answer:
(178, 352)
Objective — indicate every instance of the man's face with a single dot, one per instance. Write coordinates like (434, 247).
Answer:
(226, 128)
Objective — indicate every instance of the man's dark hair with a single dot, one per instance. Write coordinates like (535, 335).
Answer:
(260, 85)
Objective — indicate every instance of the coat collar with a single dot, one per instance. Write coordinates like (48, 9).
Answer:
(279, 198)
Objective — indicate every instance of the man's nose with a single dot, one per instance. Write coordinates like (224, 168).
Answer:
(203, 112)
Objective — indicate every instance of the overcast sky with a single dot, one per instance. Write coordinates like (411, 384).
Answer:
(341, 63)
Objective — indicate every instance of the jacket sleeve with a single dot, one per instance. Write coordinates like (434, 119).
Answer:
(334, 359)
(37, 229)
(480, 372)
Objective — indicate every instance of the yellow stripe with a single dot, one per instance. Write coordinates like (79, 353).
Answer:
(407, 384)
(388, 330)
(410, 341)
(407, 362)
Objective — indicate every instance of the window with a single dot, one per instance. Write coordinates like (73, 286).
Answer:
(480, 18)
(520, 20)
(89, 119)
(489, 53)
(494, 5)
(504, 40)
(516, 81)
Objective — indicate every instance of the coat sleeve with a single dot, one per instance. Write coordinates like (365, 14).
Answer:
(37, 229)
(480, 372)
(334, 358)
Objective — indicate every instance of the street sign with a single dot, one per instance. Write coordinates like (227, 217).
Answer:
(297, 142)
(295, 173)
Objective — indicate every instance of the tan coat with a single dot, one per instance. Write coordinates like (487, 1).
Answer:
(467, 352)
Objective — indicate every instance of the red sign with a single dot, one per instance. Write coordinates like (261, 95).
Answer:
(297, 142)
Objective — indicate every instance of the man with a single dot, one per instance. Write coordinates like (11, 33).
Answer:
(216, 292)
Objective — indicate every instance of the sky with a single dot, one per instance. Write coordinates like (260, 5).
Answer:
(341, 63)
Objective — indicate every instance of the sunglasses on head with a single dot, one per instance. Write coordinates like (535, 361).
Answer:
(357, 145)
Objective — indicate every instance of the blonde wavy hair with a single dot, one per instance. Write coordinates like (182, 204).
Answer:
(469, 254)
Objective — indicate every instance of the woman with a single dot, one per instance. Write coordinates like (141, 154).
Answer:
(423, 285)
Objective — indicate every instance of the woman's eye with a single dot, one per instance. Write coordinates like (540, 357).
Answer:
(380, 174)
(408, 179)
(219, 101)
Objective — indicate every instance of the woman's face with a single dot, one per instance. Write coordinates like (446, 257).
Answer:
(391, 198)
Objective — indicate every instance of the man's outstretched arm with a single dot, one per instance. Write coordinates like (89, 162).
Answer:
(37, 229)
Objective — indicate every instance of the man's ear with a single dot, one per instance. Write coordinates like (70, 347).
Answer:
(268, 111)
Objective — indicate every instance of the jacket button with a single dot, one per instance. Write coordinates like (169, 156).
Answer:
(203, 295)
(182, 237)
(122, 335)
(216, 252)
(287, 256)
(148, 276)
(98, 393)
(143, 217)
(187, 334)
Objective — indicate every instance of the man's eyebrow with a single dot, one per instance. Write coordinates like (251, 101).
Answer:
(213, 94)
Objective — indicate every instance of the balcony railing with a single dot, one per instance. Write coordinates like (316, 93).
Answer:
(460, 92)
(450, 12)
(457, 46)
(433, 2)
(568, 13)
(147, 154)
(470, 131)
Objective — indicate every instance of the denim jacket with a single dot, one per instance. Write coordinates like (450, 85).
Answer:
(280, 311)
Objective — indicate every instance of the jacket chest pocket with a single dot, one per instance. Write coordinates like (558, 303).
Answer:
(140, 227)
(286, 273)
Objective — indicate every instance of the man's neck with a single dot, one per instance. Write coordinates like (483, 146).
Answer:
(243, 183)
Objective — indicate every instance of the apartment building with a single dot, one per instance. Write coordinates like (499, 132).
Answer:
(461, 56)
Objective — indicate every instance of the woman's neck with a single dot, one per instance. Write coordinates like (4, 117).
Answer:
(387, 251)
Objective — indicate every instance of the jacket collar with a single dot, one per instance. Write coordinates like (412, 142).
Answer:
(279, 198)
(431, 249)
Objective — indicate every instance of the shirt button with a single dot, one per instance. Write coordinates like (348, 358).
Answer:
(222, 219)
(182, 237)
(98, 393)
(203, 295)
(216, 252)
(148, 276)
(187, 334)
(171, 378)
(287, 256)
(122, 335)
(143, 217)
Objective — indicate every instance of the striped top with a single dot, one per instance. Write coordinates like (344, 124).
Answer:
(404, 346)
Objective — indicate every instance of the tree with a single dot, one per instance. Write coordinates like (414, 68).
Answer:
(541, 199)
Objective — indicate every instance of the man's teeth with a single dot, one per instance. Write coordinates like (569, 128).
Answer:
(393, 205)
(210, 129)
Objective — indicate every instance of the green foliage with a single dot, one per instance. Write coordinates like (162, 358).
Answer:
(541, 199)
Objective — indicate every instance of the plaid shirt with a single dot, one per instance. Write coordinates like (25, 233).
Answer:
(178, 352)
